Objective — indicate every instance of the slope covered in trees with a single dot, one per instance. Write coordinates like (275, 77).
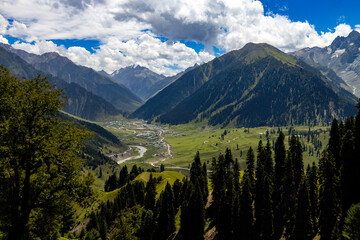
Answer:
(98, 84)
(80, 102)
(39, 169)
(282, 89)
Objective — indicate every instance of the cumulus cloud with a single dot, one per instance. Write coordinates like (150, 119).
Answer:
(146, 51)
(3, 40)
(122, 27)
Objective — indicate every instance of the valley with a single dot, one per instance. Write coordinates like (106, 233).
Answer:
(150, 145)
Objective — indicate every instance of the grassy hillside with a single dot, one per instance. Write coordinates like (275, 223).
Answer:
(187, 139)
(167, 177)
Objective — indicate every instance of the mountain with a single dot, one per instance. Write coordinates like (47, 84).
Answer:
(98, 84)
(102, 72)
(91, 152)
(140, 80)
(342, 57)
(80, 102)
(255, 86)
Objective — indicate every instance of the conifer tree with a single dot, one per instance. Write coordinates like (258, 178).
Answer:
(295, 156)
(166, 217)
(348, 171)
(150, 194)
(303, 229)
(263, 204)
(279, 188)
(290, 191)
(246, 210)
(334, 143)
(329, 199)
(312, 179)
(193, 215)
(250, 163)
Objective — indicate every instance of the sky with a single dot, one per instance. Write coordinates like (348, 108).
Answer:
(168, 36)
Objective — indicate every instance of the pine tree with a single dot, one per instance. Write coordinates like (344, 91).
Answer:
(329, 199)
(250, 163)
(295, 155)
(312, 179)
(290, 191)
(279, 189)
(356, 165)
(263, 205)
(246, 210)
(303, 229)
(193, 215)
(348, 172)
(334, 143)
(166, 217)
(149, 202)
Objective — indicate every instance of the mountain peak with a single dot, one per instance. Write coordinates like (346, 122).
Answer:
(354, 35)
(252, 52)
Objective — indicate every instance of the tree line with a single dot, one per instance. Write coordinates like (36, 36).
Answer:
(275, 197)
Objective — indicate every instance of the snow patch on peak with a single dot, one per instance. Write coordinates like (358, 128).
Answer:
(329, 50)
(338, 53)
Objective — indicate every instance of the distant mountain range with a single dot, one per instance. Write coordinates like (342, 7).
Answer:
(80, 102)
(342, 57)
(105, 87)
(254, 86)
(142, 81)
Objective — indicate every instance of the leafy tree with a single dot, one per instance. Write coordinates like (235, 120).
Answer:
(352, 223)
(39, 167)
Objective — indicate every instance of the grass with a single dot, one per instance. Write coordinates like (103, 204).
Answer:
(167, 177)
(187, 139)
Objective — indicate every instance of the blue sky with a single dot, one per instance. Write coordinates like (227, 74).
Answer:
(168, 36)
(324, 15)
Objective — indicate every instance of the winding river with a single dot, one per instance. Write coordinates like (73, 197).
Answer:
(142, 150)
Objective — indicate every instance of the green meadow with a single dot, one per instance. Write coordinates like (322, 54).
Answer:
(187, 139)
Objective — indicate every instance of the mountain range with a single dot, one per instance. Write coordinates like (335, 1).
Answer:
(142, 81)
(254, 86)
(80, 102)
(342, 57)
(105, 87)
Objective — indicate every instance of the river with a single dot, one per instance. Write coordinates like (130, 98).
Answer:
(142, 150)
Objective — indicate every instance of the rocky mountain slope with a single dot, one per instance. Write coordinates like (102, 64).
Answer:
(113, 92)
(342, 57)
(80, 102)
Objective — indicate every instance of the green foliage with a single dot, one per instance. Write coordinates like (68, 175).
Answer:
(128, 223)
(39, 166)
(352, 223)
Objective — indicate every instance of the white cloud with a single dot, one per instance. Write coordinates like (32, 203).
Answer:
(3, 24)
(121, 27)
(146, 51)
(3, 40)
